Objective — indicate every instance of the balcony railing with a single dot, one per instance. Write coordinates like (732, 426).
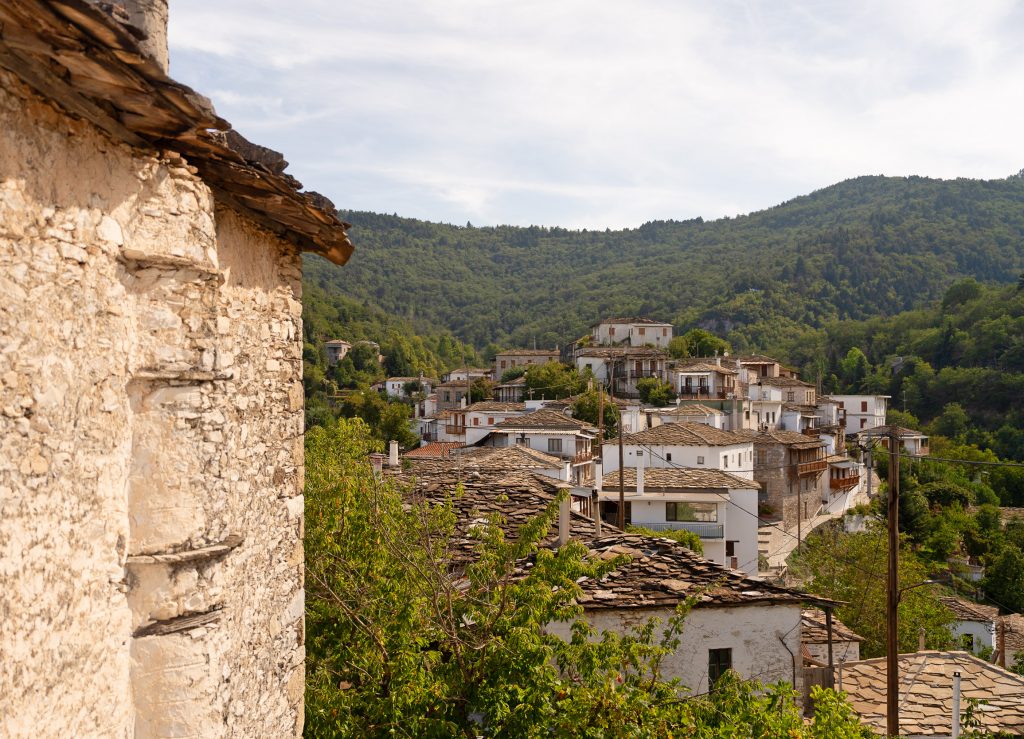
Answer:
(844, 483)
(456, 430)
(700, 528)
(811, 468)
(699, 393)
(582, 457)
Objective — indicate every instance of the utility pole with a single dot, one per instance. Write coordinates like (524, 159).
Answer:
(799, 513)
(892, 655)
(1002, 642)
(600, 419)
(622, 471)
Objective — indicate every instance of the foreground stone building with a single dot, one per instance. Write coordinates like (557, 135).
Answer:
(151, 405)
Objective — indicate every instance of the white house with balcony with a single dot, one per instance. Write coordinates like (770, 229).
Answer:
(684, 445)
(703, 381)
(619, 367)
(913, 443)
(632, 332)
(863, 412)
(552, 432)
(720, 508)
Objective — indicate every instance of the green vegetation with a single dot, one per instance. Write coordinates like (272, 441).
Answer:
(865, 247)
(398, 642)
(688, 539)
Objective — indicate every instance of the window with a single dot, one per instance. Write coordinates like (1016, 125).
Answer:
(730, 549)
(863, 406)
(719, 662)
(691, 512)
(762, 457)
(523, 441)
(490, 420)
(863, 422)
(476, 422)
(503, 364)
(790, 397)
(700, 460)
(841, 404)
(664, 332)
(641, 330)
(668, 457)
(967, 642)
(611, 331)
(555, 445)
(725, 461)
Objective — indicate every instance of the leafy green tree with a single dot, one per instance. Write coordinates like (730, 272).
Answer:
(512, 373)
(698, 342)
(688, 539)
(655, 392)
(481, 389)
(1004, 579)
(400, 640)
(552, 380)
(853, 369)
(586, 407)
(952, 423)
(852, 567)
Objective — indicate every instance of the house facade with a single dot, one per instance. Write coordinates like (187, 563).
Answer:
(619, 368)
(337, 350)
(153, 515)
(703, 381)
(791, 468)
(863, 412)
(551, 432)
(631, 332)
(683, 444)
(512, 358)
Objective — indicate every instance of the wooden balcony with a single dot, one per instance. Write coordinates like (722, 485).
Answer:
(698, 393)
(582, 457)
(454, 430)
(811, 468)
(811, 432)
(844, 483)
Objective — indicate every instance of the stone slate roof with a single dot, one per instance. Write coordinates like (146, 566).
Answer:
(618, 352)
(644, 321)
(901, 432)
(527, 353)
(517, 457)
(434, 450)
(965, 610)
(662, 573)
(782, 382)
(813, 629)
(704, 367)
(694, 409)
(517, 497)
(1013, 624)
(685, 433)
(544, 418)
(91, 65)
(496, 406)
(780, 436)
(926, 693)
(657, 479)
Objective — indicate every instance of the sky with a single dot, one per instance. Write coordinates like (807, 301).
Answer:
(597, 114)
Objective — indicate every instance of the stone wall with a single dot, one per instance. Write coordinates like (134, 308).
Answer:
(150, 445)
(783, 489)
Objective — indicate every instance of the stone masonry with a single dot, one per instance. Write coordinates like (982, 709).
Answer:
(151, 459)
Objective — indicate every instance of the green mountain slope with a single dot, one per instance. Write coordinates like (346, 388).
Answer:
(865, 247)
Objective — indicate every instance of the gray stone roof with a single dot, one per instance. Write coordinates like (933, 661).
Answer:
(966, 610)
(657, 479)
(813, 628)
(781, 436)
(693, 409)
(704, 367)
(544, 418)
(685, 433)
(644, 321)
(496, 406)
(926, 693)
(662, 573)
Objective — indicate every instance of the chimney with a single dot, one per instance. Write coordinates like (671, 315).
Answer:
(150, 17)
(599, 476)
(640, 473)
(595, 506)
(718, 359)
(377, 462)
(563, 520)
(955, 729)
(393, 453)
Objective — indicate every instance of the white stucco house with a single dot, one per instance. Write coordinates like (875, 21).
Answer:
(975, 626)
(684, 445)
(720, 508)
(738, 623)
(552, 432)
(863, 412)
(631, 331)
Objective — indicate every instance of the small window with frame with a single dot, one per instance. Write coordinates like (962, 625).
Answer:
(719, 663)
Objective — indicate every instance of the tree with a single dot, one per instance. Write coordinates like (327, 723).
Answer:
(655, 392)
(1004, 579)
(552, 380)
(400, 640)
(698, 342)
(586, 408)
(480, 389)
(851, 568)
(952, 423)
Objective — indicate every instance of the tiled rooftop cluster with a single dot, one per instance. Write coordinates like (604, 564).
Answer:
(676, 478)
(686, 432)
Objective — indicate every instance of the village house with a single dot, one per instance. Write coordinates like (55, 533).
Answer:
(684, 445)
(337, 350)
(1011, 644)
(863, 412)
(631, 332)
(512, 358)
(913, 443)
(151, 445)
(703, 381)
(974, 627)
(926, 694)
(512, 391)
(451, 395)
(552, 432)
(480, 419)
(619, 368)
(738, 623)
(687, 413)
(466, 374)
(718, 507)
(790, 468)
(399, 387)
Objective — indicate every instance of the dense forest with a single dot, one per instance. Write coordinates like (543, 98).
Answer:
(862, 248)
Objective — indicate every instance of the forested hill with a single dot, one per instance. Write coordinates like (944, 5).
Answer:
(865, 247)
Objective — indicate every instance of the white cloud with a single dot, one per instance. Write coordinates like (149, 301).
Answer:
(593, 113)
